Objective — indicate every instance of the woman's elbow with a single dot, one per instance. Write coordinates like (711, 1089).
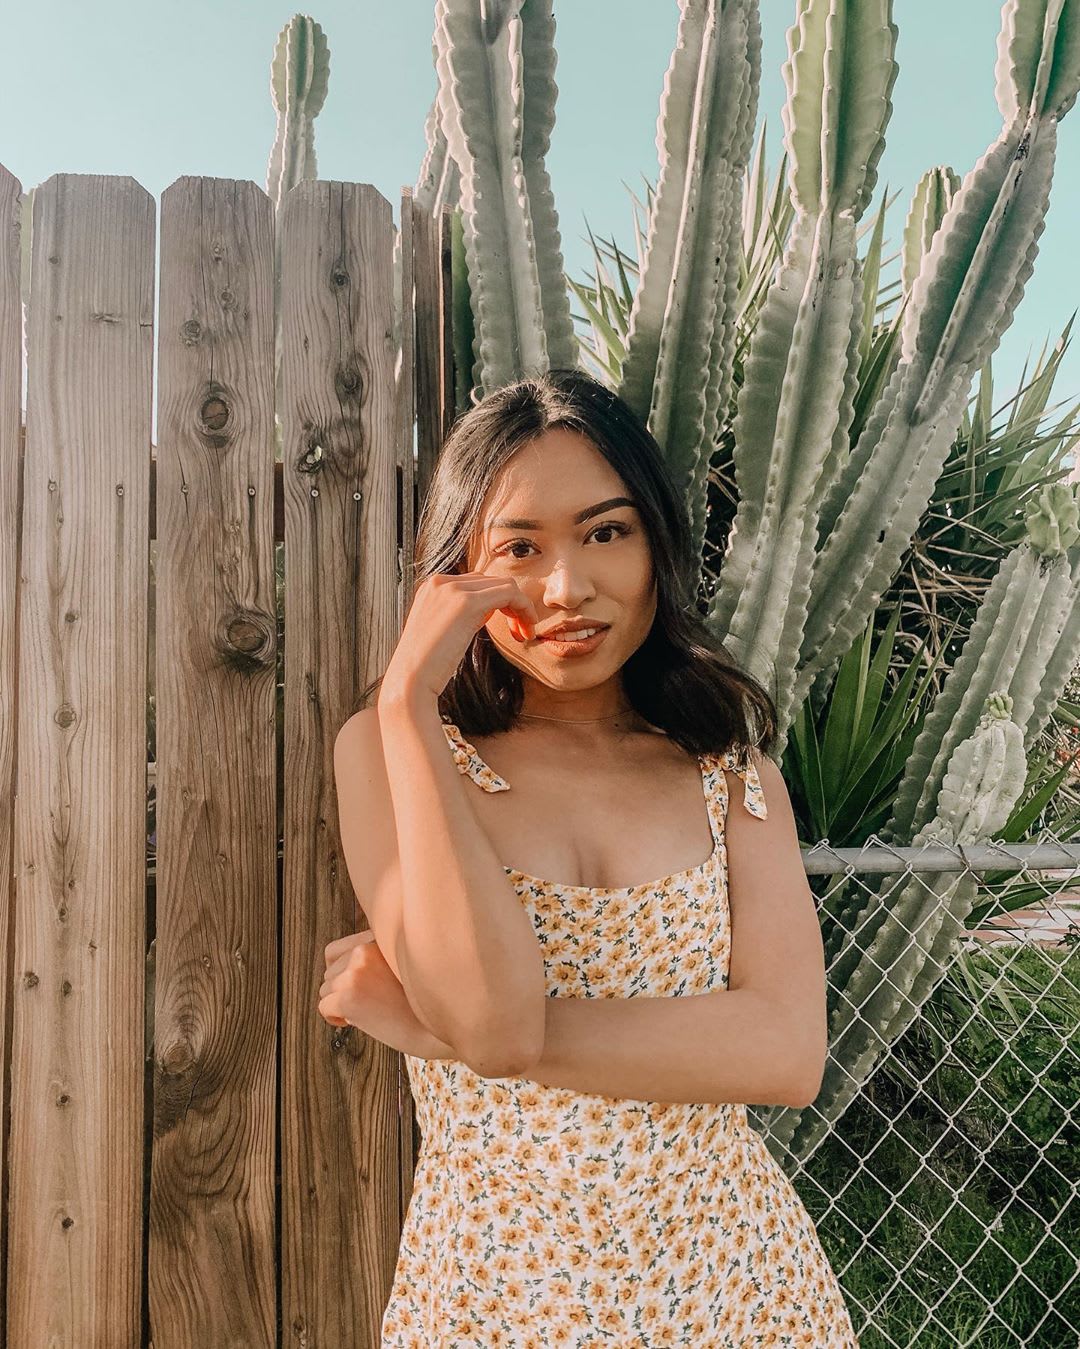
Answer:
(809, 1075)
(503, 1054)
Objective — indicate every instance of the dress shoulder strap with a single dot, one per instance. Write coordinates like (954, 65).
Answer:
(753, 792)
(469, 761)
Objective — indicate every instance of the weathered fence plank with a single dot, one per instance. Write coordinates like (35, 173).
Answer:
(341, 1202)
(77, 1117)
(212, 1211)
(435, 405)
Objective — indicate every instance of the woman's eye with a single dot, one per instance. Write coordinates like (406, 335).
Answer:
(508, 549)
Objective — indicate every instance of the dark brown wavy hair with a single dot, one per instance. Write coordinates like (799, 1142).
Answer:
(680, 679)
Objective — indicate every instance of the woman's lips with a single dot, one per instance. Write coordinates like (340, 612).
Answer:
(575, 648)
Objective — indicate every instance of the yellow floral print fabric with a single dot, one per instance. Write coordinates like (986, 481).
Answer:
(545, 1218)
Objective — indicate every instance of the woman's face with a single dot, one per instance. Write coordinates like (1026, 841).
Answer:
(598, 568)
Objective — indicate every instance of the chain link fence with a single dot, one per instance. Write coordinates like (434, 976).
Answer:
(945, 1189)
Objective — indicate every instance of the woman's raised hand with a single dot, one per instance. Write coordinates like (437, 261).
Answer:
(447, 610)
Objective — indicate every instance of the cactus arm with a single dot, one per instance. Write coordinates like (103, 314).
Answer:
(485, 89)
(929, 205)
(438, 182)
(1038, 51)
(680, 343)
(1062, 661)
(797, 399)
(1029, 612)
(539, 94)
(299, 79)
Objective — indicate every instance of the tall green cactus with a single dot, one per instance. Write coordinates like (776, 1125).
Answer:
(497, 90)
(299, 79)
(438, 184)
(796, 404)
(930, 203)
(1029, 619)
(681, 339)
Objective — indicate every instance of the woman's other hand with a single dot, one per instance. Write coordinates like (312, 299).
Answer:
(360, 989)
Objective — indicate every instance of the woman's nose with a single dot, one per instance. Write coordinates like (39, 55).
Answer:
(565, 583)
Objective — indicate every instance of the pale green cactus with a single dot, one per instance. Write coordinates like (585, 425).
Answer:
(796, 404)
(983, 781)
(682, 328)
(299, 79)
(1029, 611)
(929, 204)
(999, 763)
(1052, 519)
(438, 182)
(1028, 622)
(915, 929)
(497, 107)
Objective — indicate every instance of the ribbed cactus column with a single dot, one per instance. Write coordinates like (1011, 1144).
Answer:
(299, 78)
(796, 404)
(677, 371)
(438, 181)
(496, 65)
(1029, 618)
(929, 205)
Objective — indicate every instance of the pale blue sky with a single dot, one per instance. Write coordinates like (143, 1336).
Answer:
(182, 87)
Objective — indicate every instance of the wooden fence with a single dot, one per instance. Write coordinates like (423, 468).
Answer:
(191, 1156)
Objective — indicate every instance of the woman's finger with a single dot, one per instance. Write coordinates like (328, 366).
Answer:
(342, 945)
(335, 967)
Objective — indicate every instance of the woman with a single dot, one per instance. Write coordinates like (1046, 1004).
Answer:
(581, 1039)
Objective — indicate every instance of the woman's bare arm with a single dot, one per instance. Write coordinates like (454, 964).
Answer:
(762, 1040)
(468, 956)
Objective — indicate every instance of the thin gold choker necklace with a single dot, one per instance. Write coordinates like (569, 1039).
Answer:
(587, 721)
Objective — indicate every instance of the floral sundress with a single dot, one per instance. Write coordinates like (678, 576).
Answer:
(546, 1218)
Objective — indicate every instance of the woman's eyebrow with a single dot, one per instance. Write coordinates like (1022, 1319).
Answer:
(581, 516)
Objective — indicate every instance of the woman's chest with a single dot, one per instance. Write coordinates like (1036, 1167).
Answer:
(598, 831)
